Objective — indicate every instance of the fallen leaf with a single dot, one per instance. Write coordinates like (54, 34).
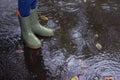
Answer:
(108, 78)
(98, 46)
(85, 1)
(96, 35)
(83, 68)
(74, 78)
(44, 18)
(19, 51)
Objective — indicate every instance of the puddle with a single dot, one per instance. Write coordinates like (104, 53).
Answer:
(72, 51)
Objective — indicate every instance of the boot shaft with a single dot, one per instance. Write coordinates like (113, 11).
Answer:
(34, 16)
(25, 23)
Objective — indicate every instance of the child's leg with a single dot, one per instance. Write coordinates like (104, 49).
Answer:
(33, 4)
(28, 36)
(24, 7)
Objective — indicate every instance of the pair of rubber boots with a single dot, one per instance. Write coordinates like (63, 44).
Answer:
(29, 27)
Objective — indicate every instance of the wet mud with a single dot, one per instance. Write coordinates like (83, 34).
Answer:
(86, 42)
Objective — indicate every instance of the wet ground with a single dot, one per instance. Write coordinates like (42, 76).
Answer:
(86, 42)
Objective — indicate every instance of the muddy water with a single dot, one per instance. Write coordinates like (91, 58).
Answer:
(72, 51)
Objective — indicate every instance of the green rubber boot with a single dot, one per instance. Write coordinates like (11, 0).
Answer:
(37, 28)
(29, 38)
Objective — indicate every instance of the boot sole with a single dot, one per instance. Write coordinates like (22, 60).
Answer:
(44, 36)
(35, 48)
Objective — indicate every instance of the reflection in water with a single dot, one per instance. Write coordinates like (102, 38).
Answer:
(35, 64)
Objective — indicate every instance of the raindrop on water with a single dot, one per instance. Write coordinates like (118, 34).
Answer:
(68, 5)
